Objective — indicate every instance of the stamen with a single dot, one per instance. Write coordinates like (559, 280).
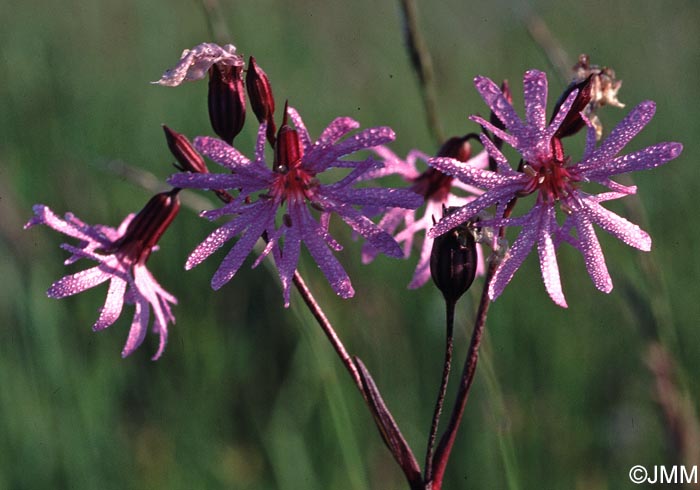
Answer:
(527, 168)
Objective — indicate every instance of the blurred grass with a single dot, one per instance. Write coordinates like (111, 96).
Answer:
(248, 394)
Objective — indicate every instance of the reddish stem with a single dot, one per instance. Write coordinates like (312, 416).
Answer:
(449, 321)
(327, 328)
(442, 455)
(320, 316)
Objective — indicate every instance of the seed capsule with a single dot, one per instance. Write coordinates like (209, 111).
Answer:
(453, 261)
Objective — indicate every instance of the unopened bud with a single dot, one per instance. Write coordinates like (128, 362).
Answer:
(149, 224)
(261, 99)
(226, 101)
(183, 151)
(453, 261)
(288, 148)
(573, 122)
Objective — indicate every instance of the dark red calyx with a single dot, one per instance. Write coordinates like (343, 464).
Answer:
(226, 101)
(148, 225)
(261, 98)
(453, 261)
(183, 151)
(288, 148)
(573, 122)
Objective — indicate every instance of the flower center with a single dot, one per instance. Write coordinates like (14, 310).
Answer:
(293, 183)
(550, 175)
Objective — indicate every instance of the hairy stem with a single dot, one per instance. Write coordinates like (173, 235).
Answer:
(449, 342)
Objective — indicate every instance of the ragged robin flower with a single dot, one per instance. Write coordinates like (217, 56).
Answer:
(121, 254)
(548, 173)
(439, 191)
(278, 201)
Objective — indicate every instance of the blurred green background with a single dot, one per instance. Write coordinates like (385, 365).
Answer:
(249, 395)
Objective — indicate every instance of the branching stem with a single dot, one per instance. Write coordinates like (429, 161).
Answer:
(442, 455)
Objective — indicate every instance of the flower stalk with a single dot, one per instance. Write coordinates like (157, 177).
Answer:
(444, 449)
(447, 365)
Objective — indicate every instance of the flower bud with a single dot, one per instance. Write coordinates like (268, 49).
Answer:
(261, 98)
(288, 148)
(453, 261)
(146, 228)
(226, 101)
(185, 154)
(573, 122)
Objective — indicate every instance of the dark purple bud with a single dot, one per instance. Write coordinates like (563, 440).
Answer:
(573, 122)
(188, 158)
(261, 98)
(226, 101)
(288, 148)
(453, 261)
(148, 225)
(185, 154)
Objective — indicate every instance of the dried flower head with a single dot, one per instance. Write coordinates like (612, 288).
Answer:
(605, 84)
(603, 89)
(195, 63)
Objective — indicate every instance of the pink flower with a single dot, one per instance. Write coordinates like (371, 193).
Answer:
(276, 201)
(121, 255)
(548, 173)
(195, 63)
(437, 191)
